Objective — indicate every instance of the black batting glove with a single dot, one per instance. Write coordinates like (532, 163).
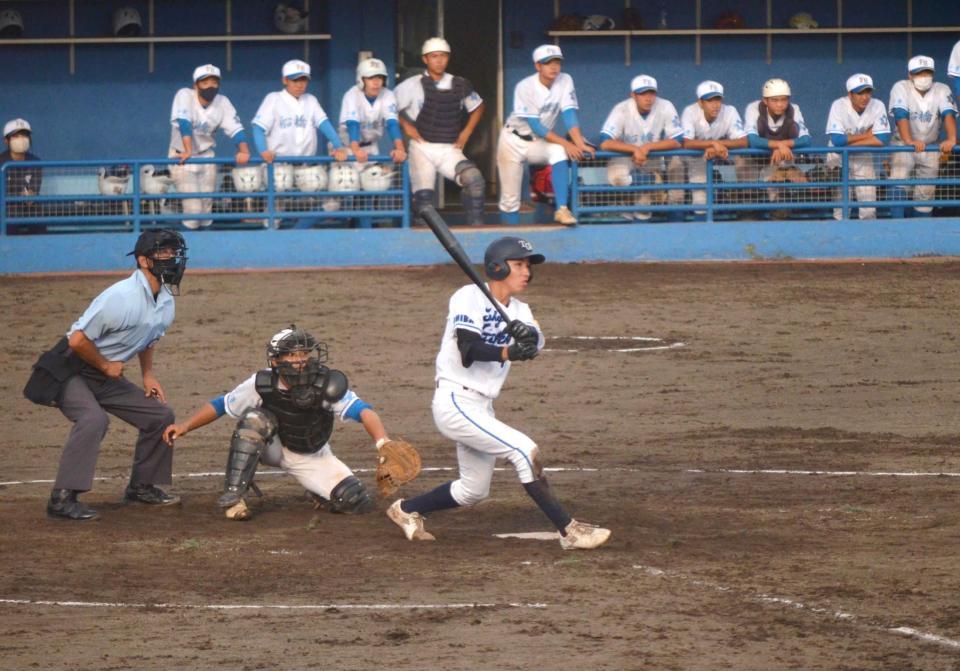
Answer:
(522, 350)
(521, 331)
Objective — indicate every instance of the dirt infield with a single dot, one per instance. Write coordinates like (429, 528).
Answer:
(716, 561)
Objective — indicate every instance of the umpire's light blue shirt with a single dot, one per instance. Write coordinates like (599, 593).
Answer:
(125, 319)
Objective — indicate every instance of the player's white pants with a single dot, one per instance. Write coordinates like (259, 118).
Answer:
(926, 165)
(319, 472)
(467, 417)
(195, 178)
(861, 167)
(624, 172)
(512, 152)
(429, 158)
(697, 174)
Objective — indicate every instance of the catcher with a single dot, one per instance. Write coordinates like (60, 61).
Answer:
(285, 417)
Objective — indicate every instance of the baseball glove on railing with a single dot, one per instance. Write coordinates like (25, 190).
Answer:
(399, 464)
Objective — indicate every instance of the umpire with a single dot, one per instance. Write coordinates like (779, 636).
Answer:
(83, 376)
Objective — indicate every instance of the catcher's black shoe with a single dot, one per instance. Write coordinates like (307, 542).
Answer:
(149, 494)
(63, 503)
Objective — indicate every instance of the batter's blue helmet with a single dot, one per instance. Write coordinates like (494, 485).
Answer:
(503, 249)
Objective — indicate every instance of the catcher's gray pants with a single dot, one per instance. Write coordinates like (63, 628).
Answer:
(85, 401)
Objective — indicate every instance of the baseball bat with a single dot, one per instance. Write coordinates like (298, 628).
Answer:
(456, 252)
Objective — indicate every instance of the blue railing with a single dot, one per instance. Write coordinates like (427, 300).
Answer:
(810, 184)
(119, 194)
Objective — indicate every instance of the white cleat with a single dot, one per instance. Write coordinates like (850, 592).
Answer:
(582, 536)
(564, 216)
(411, 523)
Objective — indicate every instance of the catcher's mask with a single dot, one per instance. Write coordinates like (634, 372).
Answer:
(168, 252)
(297, 357)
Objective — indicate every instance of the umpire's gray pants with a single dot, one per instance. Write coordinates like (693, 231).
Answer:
(86, 399)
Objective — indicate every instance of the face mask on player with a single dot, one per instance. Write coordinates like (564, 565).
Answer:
(923, 83)
(19, 144)
(210, 93)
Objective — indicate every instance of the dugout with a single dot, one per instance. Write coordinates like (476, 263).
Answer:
(91, 96)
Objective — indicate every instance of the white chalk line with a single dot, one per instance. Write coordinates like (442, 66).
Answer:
(623, 350)
(800, 606)
(270, 606)
(576, 469)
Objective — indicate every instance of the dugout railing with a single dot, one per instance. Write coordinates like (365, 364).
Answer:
(130, 194)
(821, 183)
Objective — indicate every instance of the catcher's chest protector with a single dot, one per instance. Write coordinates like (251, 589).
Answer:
(301, 429)
(441, 118)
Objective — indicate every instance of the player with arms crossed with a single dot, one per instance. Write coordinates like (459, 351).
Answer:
(196, 115)
(284, 419)
(367, 110)
(637, 126)
(920, 108)
(528, 136)
(715, 128)
(476, 354)
(858, 120)
(431, 110)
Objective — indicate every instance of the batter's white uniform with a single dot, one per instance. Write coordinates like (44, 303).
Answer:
(319, 472)
(289, 123)
(953, 67)
(845, 120)
(925, 112)
(429, 158)
(372, 116)
(531, 100)
(727, 126)
(196, 178)
(463, 402)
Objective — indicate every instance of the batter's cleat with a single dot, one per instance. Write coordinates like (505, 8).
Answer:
(411, 523)
(564, 216)
(63, 503)
(582, 536)
(239, 512)
(150, 495)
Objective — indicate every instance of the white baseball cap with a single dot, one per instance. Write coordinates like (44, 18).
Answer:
(295, 69)
(643, 83)
(434, 44)
(547, 52)
(15, 125)
(709, 89)
(919, 64)
(206, 71)
(859, 82)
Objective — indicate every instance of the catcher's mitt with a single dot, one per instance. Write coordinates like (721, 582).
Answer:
(399, 464)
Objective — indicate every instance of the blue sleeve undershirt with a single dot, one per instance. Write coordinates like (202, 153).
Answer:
(220, 405)
(358, 406)
(838, 139)
(757, 142)
(900, 114)
(353, 131)
(883, 137)
(393, 129)
(259, 138)
(238, 137)
(537, 126)
(946, 113)
(330, 133)
(802, 141)
(186, 128)
(570, 119)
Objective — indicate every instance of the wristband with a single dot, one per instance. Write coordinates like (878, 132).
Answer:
(383, 441)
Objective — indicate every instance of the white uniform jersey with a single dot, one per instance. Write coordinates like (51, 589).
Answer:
(727, 125)
(409, 95)
(751, 117)
(290, 123)
(626, 124)
(953, 67)
(924, 110)
(533, 100)
(245, 397)
(372, 116)
(220, 113)
(470, 310)
(845, 120)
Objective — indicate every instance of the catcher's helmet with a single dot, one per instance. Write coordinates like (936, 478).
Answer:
(504, 249)
(290, 341)
(290, 18)
(127, 23)
(371, 67)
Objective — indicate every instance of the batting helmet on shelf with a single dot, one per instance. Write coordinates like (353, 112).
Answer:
(310, 177)
(376, 177)
(127, 23)
(371, 67)
(568, 22)
(775, 87)
(731, 20)
(247, 178)
(290, 18)
(113, 181)
(282, 177)
(11, 24)
(507, 249)
(598, 22)
(803, 21)
(343, 177)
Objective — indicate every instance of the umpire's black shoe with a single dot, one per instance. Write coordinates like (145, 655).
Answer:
(149, 494)
(63, 503)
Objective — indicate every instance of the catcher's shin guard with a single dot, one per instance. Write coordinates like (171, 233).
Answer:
(471, 179)
(350, 497)
(247, 443)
